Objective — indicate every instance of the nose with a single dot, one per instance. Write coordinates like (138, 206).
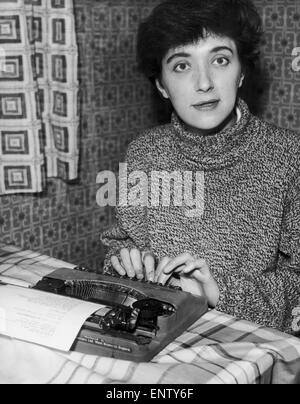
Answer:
(203, 80)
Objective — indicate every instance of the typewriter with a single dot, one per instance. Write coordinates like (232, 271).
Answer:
(137, 320)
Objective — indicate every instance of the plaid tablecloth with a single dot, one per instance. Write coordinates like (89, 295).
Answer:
(217, 349)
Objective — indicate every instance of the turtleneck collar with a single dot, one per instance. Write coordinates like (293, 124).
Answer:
(216, 151)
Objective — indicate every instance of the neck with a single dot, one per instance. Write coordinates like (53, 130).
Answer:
(224, 149)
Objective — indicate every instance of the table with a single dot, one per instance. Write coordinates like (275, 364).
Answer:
(217, 349)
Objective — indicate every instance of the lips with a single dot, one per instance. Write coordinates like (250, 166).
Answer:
(210, 105)
(206, 103)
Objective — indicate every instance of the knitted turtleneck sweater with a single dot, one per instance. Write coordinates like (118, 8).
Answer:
(248, 228)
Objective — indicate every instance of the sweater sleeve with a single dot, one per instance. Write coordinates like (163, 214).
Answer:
(289, 248)
(130, 228)
(114, 239)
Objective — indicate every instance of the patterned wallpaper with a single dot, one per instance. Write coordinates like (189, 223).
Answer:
(117, 103)
(275, 92)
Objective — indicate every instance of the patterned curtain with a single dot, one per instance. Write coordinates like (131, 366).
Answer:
(39, 116)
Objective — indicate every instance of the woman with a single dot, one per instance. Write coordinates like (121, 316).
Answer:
(241, 245)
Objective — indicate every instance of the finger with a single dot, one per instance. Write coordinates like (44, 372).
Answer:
(179, 269)
(174, 282)
(193, 271)
(198, 270)
(199, 264)
(117, 266)
(149, 264)
(176, 262)
(195, 264)
(126, 262)
(136, 260)
(189, 284)
(165, 278)
(160, 268)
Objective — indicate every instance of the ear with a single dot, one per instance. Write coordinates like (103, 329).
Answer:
(161, 89)
(241, 80)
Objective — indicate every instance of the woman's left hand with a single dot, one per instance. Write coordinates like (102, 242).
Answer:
(193, 272)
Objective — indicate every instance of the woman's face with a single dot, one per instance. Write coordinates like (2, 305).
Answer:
(202, 80)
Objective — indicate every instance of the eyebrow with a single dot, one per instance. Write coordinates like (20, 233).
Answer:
(186, 55)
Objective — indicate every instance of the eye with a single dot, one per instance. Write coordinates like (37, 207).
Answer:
(221, 61)
(181, 67)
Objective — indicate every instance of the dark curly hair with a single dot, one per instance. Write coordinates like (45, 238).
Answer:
(176, 23)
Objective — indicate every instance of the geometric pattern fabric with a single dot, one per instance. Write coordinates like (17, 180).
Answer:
(39, 116)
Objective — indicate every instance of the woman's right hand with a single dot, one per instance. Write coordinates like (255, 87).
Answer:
(135, 263)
